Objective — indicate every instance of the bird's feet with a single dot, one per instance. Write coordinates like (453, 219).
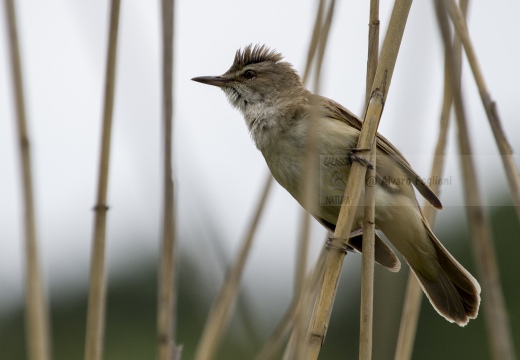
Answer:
(352, 156)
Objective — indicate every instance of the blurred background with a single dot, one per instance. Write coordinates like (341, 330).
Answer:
(219, 173)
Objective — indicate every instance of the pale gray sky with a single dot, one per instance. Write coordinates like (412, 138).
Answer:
(218, 171)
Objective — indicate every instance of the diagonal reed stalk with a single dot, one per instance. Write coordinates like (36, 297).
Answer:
(167, 296)
(221, 309)
(337, 247)
(97, 290)
(497, 325)
(302, 251)
(313, 45)
(220, 312)
(302, 287)
(275, 341)
(458, 19)
(309, 195)
(367, 260)
(222, 305)
(293, 349)
(295, 314)
(37, 317)
(316, 53)
(413, 296)
(322, 44)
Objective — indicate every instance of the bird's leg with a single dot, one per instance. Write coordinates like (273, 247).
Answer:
(356, 236)
(337, 244)
(352, 156)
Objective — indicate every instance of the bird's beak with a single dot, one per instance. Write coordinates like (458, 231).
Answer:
(212, 80)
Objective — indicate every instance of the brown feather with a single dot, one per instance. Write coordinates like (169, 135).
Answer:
(336, 111)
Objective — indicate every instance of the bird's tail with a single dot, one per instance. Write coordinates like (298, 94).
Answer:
(455, 294)
(451, 289)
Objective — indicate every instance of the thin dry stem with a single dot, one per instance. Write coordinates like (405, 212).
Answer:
(319, 35)
(506, 152)
(280, 333)
(413, 296)
(309, 194)
(373, 47)
(294, 315)
(296, 347)
(37, 317)
(167, 296)
(367, 265)
(336, 253)
(299, 328)
(97, 291)
(337, 248)
(314, 41)
(495, 312)
(300, 321)
(302, 251)
(322, 44)
(218, 317)
(409, 319)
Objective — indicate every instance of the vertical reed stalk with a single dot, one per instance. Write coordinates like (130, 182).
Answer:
(167, 297)
(373, 47)
(337, 247)
(495, 312)
(97, 291)
(367, 264)
(36, 309)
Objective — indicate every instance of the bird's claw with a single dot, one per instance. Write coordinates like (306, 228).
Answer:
(352, 156)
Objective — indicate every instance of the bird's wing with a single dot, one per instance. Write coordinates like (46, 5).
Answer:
(336, 111)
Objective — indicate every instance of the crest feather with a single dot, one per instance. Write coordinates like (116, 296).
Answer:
(253, 55)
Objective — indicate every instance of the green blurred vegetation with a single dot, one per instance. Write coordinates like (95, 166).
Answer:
(131, 312)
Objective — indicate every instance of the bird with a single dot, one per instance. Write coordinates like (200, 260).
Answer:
(278, 111)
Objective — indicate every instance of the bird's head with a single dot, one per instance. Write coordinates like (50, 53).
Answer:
(257, 76)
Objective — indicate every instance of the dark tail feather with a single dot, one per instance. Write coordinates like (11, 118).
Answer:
(455, 294)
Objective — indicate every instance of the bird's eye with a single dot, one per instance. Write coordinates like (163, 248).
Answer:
(249, 74)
